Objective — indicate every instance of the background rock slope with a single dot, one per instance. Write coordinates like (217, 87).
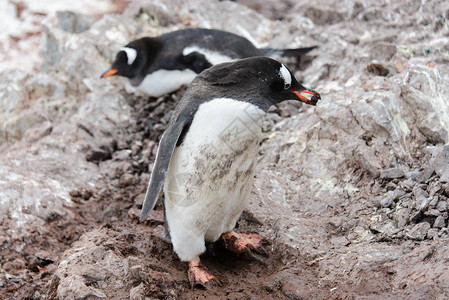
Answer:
(353, 193)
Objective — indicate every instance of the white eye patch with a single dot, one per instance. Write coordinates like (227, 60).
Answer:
(130, 53)
(285, 74)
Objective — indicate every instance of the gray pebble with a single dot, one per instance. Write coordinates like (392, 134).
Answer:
(443, 232)
(441, 206)
(401, 216)
(398, 193)
(135, 149)
(433, 213)
(407, 185)
(340, 241)
(412, 174)
(439, 222)
(392, 173)
(386, 201)
(419, 231)
(421, 198)
(432, 233)
(425, 174)
(126, 179)
(434, 201)
(137, 292)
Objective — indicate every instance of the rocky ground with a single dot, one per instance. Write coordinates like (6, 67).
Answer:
(352, 194)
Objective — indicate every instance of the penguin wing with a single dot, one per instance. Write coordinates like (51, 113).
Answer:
(270, 52)
(163, 156)
(196, 61)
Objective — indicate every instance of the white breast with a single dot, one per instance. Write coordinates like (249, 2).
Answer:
(162, 82)
(212, 56)
(210, 176)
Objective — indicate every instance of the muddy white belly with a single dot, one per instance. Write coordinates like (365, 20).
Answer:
(211, 173)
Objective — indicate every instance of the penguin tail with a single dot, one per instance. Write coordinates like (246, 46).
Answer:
(287, 52)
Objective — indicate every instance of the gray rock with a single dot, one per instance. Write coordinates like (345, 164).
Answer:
(418, 232)
(340, 241)
(441, 162)
(432, 212)
(376, 201)
(422, 199)
(73, 286)
(135, 149)
(137, 292)
(433, 125)
(401, 216)
(434, 188)
(16, 127)
(425, 174)
(444, 232)
(387, 200)
(367, 160)
(392, 173)
(50, 48)
(88, 266)
(434, 201)
(138, 200)
(122, 155)
(444, 175)
(383, 51)
(398, 194)
(440, 222)
(126, 179)
(385, 226)
(432, 233)
(413, 175)
(445, 187)
(407, 202)
(442, 205)
(407, 185)
(74, 22)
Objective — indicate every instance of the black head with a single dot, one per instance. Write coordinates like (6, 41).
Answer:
(132, 58)
(259, 80)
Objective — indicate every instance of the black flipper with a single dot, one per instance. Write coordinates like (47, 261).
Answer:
(196, 62)
(287, 52)
(164, 153)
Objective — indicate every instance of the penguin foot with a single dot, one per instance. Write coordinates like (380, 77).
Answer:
(249, 244)
(198, 277)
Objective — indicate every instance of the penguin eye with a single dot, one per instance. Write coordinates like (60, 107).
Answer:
(287, 86)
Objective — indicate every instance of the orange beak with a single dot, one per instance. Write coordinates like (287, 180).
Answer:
(312, 101)
(109, 73)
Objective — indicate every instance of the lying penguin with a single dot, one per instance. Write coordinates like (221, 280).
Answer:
(206, 157)
(160, 65)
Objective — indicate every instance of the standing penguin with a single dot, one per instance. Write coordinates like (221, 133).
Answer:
(159, 65)
(206, 158)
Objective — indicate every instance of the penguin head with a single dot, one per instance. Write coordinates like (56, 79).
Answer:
(130, 60)
(259, 80)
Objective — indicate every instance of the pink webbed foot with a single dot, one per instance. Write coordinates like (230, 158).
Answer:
(248, 244)
(198, 276)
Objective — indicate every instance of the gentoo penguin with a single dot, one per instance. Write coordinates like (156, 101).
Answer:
(160, 65)
(206, 157)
